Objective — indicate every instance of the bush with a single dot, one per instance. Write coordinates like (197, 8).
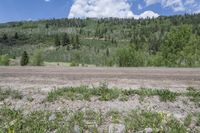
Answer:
(24, 59)
(37, 58)
(4, 60)
(129, 57)
(73, 64)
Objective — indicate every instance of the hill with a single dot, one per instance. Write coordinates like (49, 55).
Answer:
(164, 41)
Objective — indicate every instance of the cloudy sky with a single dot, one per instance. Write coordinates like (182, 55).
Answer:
(15, 10)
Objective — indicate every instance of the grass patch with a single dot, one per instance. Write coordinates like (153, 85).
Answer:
(115, 116)
(40, 122)
(159, 122)
(164, 95)
(188, 120)
(194, 95)
(84, 93)
(86, 121)
(105, 94)
(6, 93)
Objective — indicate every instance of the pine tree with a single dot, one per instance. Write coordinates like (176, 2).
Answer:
(107, 52)
(16, 35)
(65, 40)
(77, 42)
(57, 41)
(24, 59)
(5, 37)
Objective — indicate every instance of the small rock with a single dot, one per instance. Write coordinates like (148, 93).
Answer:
(52, 117)
(148, 130)
(178, 116)
(116, 128)
(76, 129)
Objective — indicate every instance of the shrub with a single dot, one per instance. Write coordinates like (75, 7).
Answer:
(73, 64)
(24, 59)
(4, 60)
(37, 58)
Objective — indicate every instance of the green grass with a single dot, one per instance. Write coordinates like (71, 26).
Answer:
(8, 93)
(115, 116)
(194, 95)
(188, 120)
(84, 93)
(103, 93)
(39, 122)
(159, 122)
(86, 121)
(164, 94)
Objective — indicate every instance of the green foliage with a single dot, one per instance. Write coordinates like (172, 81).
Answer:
(5, 37)
(65, 40)
(24, 59)
(86, 121)
(129, 57)
(4, 60)
(188, 120)
(194, 95)
(159, 122)
(16, 35)
(37, 58)
(164, 41)
(57, 41)
(165, 95)
(73, 64)
(104, 93)
(174, 42)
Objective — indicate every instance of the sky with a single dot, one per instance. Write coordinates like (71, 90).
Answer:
(17, 10)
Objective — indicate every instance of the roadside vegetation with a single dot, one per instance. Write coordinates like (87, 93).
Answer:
(87, 120)
(9, 93)
(194, 95)
(104, 93)
(12, 120)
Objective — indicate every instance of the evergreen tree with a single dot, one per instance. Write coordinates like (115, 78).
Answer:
(107, 52)
(77, 42)
(16, 35)
(24, 59)
(5, 37)
(57, 41)
(65, 40)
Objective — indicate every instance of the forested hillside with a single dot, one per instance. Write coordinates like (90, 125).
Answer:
(165, 41)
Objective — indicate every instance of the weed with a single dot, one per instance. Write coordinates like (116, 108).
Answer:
(86, 121)
(115, 116)
(6, 93)
(165, 95)
(105, 94)
(188, 120)
(139, 120)
(194, 95)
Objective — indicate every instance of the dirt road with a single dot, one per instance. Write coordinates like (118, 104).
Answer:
(47, 78)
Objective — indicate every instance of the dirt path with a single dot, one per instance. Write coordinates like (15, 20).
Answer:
(46, 78)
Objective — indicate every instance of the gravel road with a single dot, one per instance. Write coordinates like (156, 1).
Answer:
(46, 78)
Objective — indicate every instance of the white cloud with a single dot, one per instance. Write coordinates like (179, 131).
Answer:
(188, 2)
(149, 14)
(176, 5)
(47, 0)
(105, 8)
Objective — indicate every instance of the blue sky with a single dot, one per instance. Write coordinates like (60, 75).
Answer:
(16, 10)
